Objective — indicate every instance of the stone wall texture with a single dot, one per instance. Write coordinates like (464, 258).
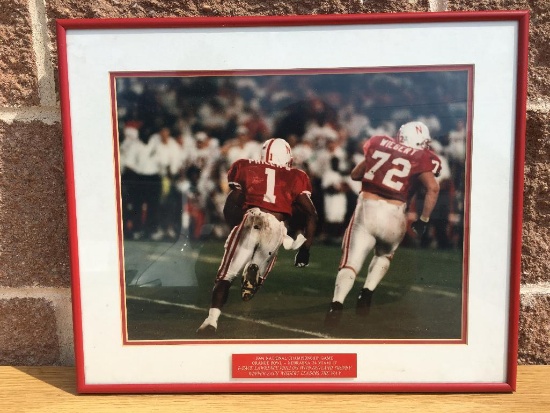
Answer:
(34, 264)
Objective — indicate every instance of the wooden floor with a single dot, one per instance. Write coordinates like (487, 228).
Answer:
(52, 389)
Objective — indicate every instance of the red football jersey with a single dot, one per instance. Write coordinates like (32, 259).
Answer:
(392, 168)
(268, 186)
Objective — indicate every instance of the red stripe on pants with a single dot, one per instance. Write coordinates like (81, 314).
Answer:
(231, 247)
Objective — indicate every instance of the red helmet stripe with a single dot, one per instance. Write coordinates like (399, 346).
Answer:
(268, 151)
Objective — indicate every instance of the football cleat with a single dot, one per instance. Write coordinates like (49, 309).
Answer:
(334, 314)
(250, 283)
(206, 330)
(363, 302)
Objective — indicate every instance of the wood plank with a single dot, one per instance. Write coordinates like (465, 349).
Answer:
(52, 389)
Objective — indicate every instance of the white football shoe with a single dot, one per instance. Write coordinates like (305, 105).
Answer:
(208, 328)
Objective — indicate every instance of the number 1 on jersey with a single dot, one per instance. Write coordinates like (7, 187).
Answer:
(269, 195)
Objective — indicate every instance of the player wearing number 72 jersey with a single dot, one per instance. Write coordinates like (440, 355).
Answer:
(263, 195)
(390, 170)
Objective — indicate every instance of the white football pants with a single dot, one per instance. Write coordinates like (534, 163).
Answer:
(255, 240)
(375, 224)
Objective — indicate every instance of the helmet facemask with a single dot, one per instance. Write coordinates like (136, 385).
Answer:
(415, 135)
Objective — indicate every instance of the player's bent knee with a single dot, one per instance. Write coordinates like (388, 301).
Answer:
(230, 277)
(380, 262)
(389, 257)
(346, 273)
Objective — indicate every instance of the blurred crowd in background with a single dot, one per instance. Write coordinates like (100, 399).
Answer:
(179, 136)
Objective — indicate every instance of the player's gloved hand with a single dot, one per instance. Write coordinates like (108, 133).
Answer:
(302, 257)
(419, 227)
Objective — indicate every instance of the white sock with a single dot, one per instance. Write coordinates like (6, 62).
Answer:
(214, 314)
(378, 267)
(343, 285)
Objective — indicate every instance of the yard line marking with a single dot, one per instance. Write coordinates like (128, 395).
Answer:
(235, 317)
(434, 291)
(425, 290)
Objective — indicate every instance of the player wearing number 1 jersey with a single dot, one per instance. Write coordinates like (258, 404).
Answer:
(263, 195)
(390, 170)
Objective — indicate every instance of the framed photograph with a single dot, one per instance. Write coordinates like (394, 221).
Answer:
(295, 204)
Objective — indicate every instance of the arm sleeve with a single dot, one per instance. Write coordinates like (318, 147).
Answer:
(370, 142)
(366, 146)
(233, 176)
(429, 162)
(304, 184)
(437, 170)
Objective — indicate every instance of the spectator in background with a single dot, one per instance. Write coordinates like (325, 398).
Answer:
(456, 153)
(151, 186)
(212, 116)
(203, 172)
(206, 153)
(131, 149)
(324, 143)
(193, 214)
(299, 116)
(257, 125)
(185, 152)
(335, 201)
(355, 123)
(444, 213)
(241, 147)
(319, 136)
(167, 154)
(302, 153)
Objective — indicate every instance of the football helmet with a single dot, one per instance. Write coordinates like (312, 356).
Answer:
(415, 135)
(277, 152)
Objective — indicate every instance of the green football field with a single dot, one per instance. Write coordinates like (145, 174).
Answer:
(420, 298)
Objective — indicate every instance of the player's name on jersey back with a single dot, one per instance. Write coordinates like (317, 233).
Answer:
(406, 150)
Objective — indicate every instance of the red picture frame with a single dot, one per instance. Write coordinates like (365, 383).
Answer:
(95, 54)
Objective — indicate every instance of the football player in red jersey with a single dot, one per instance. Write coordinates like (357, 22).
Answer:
(266, 191)
(391, 168)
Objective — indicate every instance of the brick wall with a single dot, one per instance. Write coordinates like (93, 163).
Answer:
(35, 307)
